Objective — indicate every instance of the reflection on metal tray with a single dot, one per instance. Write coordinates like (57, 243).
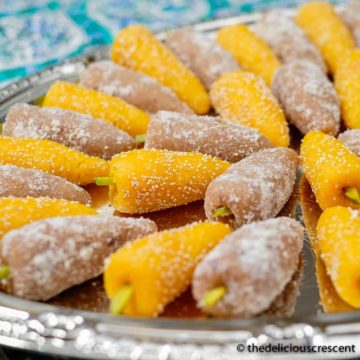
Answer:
(68, 332)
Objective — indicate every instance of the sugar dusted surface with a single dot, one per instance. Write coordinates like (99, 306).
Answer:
(53, 158)
(254, 263)
(170, 257)
(135, 43)
(255, 188)
(36, 179)
(150, 180)
(286, 39)
(134, 87)
(29, 209)
(347, 80)
(243, 97)
(326, 31)
(74, 97)
(350, 14)
(308, 98)
(351, 138)
(187, 135)
(19, 182)
(205, 134)
(337, 234)
(75, 130)
(203, 55)
(51, 255)
(329, 167)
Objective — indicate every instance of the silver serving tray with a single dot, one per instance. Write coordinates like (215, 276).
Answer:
(67, 332)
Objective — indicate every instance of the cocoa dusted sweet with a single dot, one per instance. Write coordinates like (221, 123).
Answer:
(48, 256)
(205, 134)
(351, 138)
(285, 303)
(287, 40)
(256, 188)
(80, 132)
(134, 87)
(21, 182)
(249, 269)
(201, 54)
(308, 97)
(350, 14)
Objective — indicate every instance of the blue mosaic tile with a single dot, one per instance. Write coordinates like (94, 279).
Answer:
(32, 40)
(37, 33)
(19, 6)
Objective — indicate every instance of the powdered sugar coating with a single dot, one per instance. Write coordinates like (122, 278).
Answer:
(350, 14)
(254, 263)
(21, 182)
(205, 134)
(75, 130)
(49, 256)
(134, 87)
(284, 304)
(307, 96)
(201, 54)
(351, 138)
(287, 39)
(256, 188)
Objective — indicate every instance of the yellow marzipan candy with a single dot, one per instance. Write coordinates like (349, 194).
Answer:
(326, 30)
(150, 180)
(159, 267)
(251, 52)
(241, 96)
(101, 106)
(53, 158)
(338, 232)
(17, 212)
(347, 84)
(137, 48)
(331, 169)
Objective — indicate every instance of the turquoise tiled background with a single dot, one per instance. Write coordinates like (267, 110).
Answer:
(37, 33)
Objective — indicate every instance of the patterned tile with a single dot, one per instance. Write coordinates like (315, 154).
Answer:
(36, 33)
(41, 37)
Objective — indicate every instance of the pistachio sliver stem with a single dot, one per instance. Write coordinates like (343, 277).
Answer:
(213, 296)
(104, 181)
(121, 299)
(221, 211)
(4, 272)
(140, 139)
(352, 193)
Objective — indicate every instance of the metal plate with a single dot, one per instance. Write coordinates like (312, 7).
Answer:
(57, 330)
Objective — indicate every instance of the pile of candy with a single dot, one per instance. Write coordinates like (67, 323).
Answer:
(192, 119)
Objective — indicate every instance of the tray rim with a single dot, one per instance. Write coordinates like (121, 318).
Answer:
(59, 330)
